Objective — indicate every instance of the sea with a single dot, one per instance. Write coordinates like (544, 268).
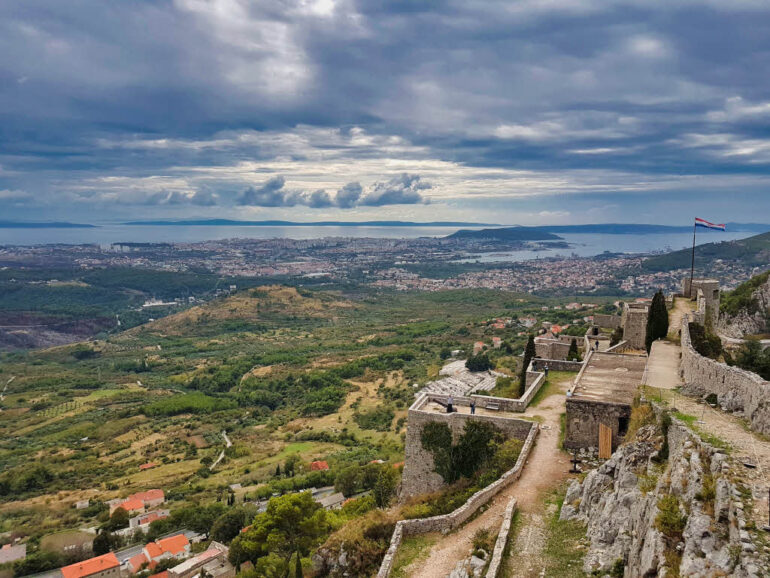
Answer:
(583, 245)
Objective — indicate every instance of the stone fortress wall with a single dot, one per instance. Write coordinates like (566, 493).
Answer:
(448, 522)
(605, 320)
(736, 389)
(419, 476)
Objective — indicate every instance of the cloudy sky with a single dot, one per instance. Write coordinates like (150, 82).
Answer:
(528, 111)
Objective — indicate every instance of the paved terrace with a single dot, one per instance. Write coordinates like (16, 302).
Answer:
(610, 378)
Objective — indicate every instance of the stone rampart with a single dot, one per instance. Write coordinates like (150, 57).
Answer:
(448, 522)
(736, 389)
(502, 540)
(556, 365)
(608, 321)
(619, 347)
(419, 476)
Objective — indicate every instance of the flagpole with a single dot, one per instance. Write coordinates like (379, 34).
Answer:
(692, 265)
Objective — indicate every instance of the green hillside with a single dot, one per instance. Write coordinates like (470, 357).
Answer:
(752, 252)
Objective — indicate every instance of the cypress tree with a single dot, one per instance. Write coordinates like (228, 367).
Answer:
(529, 355)
(657, 320)
(298, 568)
(573, 353)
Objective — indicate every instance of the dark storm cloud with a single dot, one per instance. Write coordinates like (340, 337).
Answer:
(633, 89)
(349, 195)
(401, 190)
(271, 194)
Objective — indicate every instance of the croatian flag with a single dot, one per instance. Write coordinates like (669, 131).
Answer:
(706, 225)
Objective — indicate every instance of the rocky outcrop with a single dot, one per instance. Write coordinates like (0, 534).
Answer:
(620, 502)
(751, 321)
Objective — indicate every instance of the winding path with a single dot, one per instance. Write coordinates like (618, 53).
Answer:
(546, 467)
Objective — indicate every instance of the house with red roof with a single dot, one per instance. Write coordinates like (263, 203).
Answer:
(147, 518)
(478, 347)
(173, 547)
(139, 502)
(104, 566)
(318, 466)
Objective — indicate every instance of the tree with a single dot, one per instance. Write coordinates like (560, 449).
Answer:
(573, 354)
(298, 568)
(347, 481)
(229, 525)
(385, 486)
(118, 519)
(293, 523)
(278, 470)
(103, 543)
(478, 362)
(529, 355)
(290, 465)
(657, 320)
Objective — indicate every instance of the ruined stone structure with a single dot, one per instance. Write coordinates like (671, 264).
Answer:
(552, 348)
(419, 476)
(736, 389)
(608, 321)
(707, 294)
(602, 394)
(634, 324)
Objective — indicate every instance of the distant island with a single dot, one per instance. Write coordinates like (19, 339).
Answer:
(274, 223)
(49, 225)
(506, 234)
(645, 229)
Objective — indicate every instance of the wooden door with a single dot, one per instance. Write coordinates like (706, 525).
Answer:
(605, 441)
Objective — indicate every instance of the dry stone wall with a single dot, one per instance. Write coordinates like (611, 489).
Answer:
(502, 540)
(737, 390)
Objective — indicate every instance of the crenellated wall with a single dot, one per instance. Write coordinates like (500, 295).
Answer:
(736, 389)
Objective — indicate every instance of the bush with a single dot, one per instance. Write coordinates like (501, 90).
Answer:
(704, 342)
(378, 418)
(670, 521)
(480, 362)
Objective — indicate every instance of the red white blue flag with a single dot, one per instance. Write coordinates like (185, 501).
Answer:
(706, 225)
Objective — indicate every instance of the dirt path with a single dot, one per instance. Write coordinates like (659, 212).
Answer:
(546, 467)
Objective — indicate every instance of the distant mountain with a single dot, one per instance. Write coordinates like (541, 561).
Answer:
(506, 234)
(237, 223)
(51, 225)
(644, 229)
(752, 251)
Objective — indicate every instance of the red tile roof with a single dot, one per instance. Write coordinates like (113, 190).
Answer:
(153, 550)
(131, 505)
(164, 574)
(174, 545)
(147, 466)
(151, 517)
(148, 495)
(91, 566)
(319, 465)
(135, 562)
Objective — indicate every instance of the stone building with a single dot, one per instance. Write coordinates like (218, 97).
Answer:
(634, 324)
(419, 476)
(547, 348)
(706, 293)
(602, 395)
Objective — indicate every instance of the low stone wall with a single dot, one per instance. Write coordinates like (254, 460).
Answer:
(557, 365)
(448, 522)
(736, 389)
(502, 540)
(535, 381)
(619, 347)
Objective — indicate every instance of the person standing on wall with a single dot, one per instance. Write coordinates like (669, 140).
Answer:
(449, 404)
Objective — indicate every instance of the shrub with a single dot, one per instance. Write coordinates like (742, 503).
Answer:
(670, 521)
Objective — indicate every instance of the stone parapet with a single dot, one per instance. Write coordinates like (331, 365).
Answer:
(736, 389)
(502, 540)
